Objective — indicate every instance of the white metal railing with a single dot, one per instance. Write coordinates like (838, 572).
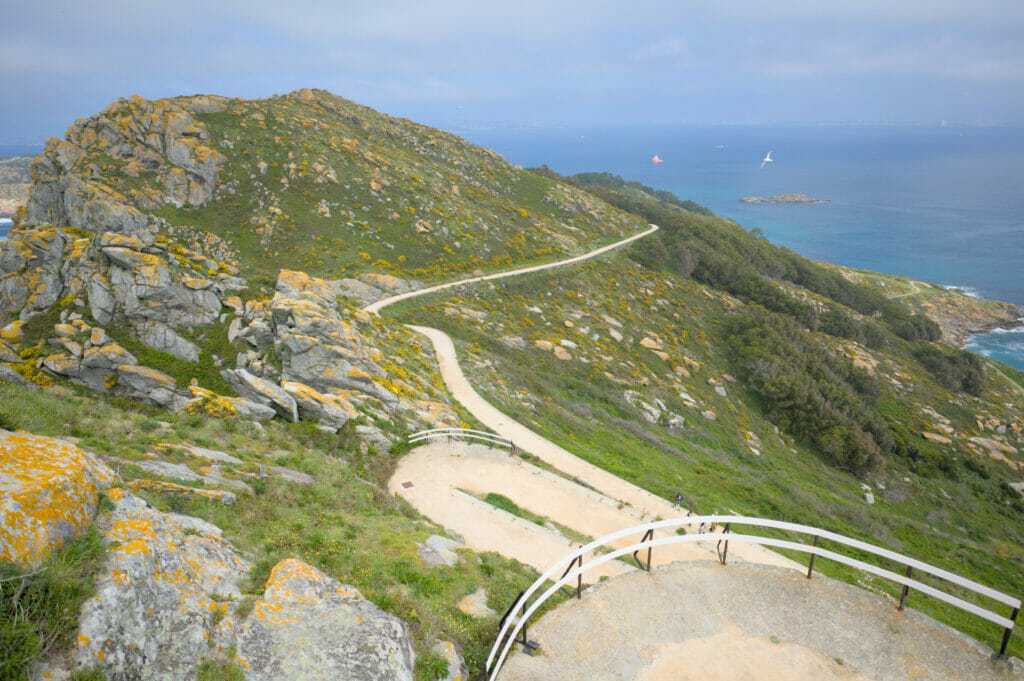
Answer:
(513, 624)
(462, 434)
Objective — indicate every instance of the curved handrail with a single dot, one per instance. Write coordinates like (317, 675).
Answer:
(512, 625)
(462, 434)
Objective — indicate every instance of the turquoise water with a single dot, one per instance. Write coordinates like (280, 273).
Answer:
(939, 204)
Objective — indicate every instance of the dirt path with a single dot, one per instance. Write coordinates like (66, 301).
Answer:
(641, 504)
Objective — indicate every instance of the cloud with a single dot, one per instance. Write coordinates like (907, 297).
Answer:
(595, 58)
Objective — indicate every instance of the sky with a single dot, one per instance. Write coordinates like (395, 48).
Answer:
(465, 64)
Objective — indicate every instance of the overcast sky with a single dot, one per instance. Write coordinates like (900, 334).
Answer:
(469, 63)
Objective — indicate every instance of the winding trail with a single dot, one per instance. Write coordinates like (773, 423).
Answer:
(437, 472)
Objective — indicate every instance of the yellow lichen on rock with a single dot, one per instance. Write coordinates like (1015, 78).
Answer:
(12, 332)
(49, 491)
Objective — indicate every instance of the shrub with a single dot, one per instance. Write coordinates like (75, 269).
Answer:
(39, 608)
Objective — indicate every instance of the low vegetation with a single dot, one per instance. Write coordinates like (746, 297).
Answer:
(39, 607)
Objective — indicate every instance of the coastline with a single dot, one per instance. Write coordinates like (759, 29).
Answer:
(961, 316)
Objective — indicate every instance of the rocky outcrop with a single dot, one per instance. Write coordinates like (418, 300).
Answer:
(308, 626)
(328, 364)
(155, 606)
(159, 138)
(159, 336)
(262, 392)
(961, 316)
(49, 491)
(92, 359)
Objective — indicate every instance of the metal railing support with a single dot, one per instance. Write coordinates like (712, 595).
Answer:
(906, 589)
(648, 535)
(1007, 632)
(725, 551)
(810, 565)
(578, 560)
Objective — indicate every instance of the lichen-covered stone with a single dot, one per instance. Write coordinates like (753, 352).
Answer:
(456, 666)
(332, 411)
(221, 496)
(48, 493)
(262, 391)
(146, 383)
(153, 610)
(309, 626)
(222, 406)
(159, 336)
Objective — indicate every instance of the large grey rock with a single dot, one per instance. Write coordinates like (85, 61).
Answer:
(353, 288)
(264, 392)
(374, 437)
(438, 550)
(152, 615)
(11, 376)
(331, 411)
(148, 384)
(101, 300)
(161, 337)
(309, 627)
(257, 334)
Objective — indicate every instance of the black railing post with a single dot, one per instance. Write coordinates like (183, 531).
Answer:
(1009, 630)
(579, 576)
(810, 566)
(906, 589)
(725, 549)
(648, 535)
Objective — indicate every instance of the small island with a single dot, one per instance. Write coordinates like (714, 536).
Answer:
(783, 198)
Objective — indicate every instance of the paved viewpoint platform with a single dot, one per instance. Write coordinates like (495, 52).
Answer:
(701, 621)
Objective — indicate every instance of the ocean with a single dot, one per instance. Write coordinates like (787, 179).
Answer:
(939, 204)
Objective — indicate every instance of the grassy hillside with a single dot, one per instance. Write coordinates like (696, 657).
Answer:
(761, 392)
(314, 182)
(345, 523)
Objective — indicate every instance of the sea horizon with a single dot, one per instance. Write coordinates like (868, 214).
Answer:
(940, 204)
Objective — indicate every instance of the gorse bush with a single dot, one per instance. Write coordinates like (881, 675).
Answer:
(807, 390)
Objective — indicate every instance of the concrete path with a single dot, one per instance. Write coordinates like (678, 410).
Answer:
(708, 622)
(432, 478)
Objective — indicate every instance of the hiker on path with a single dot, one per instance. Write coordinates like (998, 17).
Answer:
(679, 500)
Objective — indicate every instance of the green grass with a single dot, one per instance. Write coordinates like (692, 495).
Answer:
(506, 504)
(431, 666)
(39, 607)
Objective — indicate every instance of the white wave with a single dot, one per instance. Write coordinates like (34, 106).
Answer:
(966, 290)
